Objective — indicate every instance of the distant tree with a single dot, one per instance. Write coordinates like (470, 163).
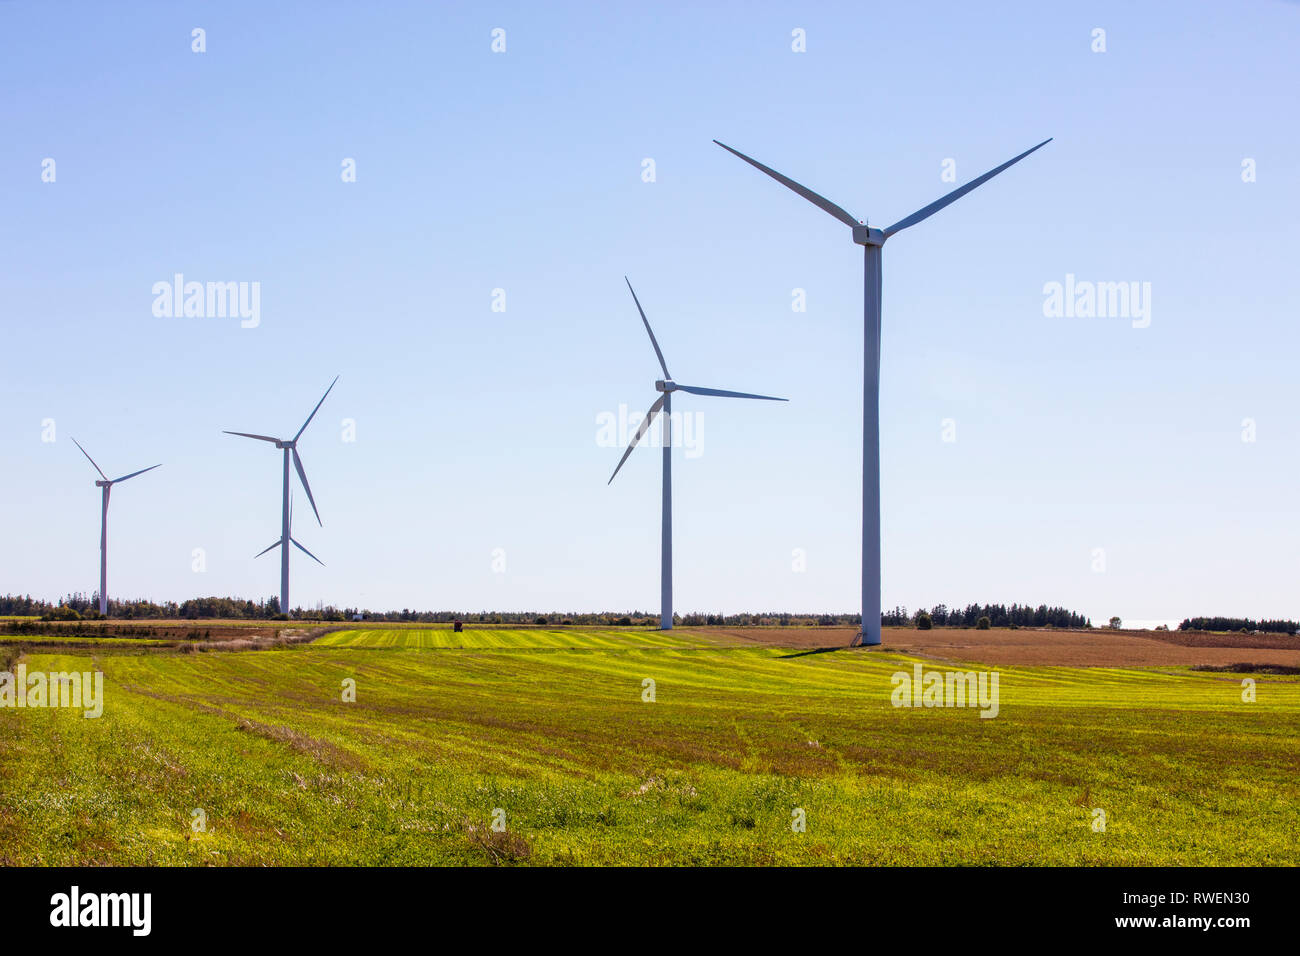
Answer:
(540, 620)
(923, 621)
(983, 624)
(1115, 622)
(898, 617)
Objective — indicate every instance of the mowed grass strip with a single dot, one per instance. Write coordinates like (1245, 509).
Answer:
(713, 771)
(499, 638)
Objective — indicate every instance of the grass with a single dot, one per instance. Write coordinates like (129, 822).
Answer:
(477, 638)
(550, 727)
(87, 640)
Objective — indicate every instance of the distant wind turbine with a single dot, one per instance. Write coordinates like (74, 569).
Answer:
(296, 543)
(106, 487)
(873, 240)
(667, 386)
(290, 447)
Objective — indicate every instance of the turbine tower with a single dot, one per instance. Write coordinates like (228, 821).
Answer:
(667, 386)
(106, 487)
(873, 240)
(290, 448)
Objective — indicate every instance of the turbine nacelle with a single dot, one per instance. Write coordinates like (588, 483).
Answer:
(285, 444)
(665, 385)
(865, 235)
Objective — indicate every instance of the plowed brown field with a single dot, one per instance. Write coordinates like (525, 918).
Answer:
(1099, 647)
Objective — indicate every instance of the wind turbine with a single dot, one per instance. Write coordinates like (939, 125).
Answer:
(667, 386)
(106, 487)
(872, 240)
(290, 448)
(296, 543)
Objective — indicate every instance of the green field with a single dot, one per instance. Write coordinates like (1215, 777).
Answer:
(550, 727)
(501, 638)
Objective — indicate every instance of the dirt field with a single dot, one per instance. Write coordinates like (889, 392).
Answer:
(1096, 648)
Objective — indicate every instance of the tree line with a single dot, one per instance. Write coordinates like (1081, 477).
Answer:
(81, 606)
(999, 615)
(1237, 624)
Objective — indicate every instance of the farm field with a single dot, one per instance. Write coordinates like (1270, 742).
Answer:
(550, 727)
(1084, 648)
(486, 638)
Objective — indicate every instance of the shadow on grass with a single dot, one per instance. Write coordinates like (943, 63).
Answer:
(815, 650)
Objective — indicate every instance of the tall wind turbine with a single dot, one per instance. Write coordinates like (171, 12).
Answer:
(290, 448)
(667, 386)
(873, 240)
(105, 486)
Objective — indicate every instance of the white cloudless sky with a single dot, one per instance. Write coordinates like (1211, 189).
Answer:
(477, 430)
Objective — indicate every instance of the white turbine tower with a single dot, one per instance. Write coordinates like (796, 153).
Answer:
(872, 240)
(106, 487)
(667, 386)
(290, 448)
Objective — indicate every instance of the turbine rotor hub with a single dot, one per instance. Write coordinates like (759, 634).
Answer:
(665, 385)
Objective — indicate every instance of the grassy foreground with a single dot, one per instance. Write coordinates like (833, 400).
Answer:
(551, 728)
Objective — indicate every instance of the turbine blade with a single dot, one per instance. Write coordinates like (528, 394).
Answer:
(134, 473)
(249, 435)
(91, 460)
(803, 191)
(316, 409)
(302, 476)
(696, 390)
(645, 425)
(653, 341)
(306, 552)
(930, 210)
(271, 548)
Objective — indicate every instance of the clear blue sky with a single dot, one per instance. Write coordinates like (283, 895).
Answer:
(476, 430)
